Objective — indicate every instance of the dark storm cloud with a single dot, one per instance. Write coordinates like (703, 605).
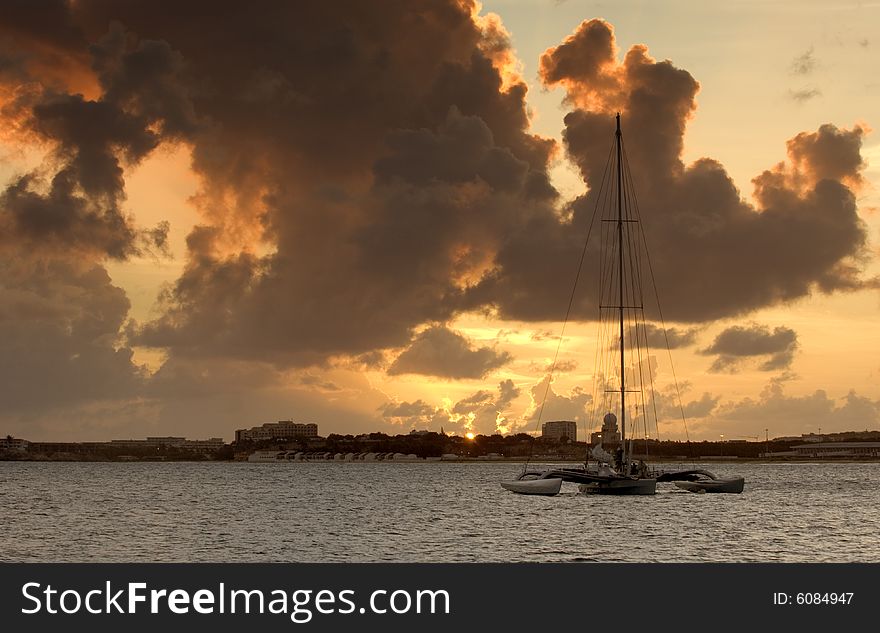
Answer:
(78, 207)
(41, 38)
(148, 79)
(737, 343)
(368, 169)
(462, 148)
(378, 153)
(59, 336)
(74, 200)
(441, 352)
(62, 321)
(713, 253)
(49, 22)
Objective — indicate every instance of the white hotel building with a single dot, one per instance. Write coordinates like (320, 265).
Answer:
(282, 430)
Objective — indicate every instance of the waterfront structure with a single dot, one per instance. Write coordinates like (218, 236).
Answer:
(211, 445)
(609, 434)
(207, 447)
(558, 429)
(13, 444)
(838, 449)
(281, 430)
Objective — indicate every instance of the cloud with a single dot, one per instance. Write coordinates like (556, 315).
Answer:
(60, 339)
(670, 405)
(738, 343)
(394, 165)
(418, 409)
(659, 338)
(483, 412)
(549, 405)
(562, 366)
(381, 158)
(804, 233)
(64, 322)
(363, 173)
(673, 337)
(438, 351)
(772, 409)
(486, 412)
(804, 64)
(792, 415)
(828, 154)
(78, 208)
(804, 94)
(320, 237)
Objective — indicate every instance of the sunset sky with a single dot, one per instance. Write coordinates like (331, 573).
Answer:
(369, 215)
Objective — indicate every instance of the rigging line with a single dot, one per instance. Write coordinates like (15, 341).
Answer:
(653, 398)
(647, 255)
(604, 272)
(637, 299)
(631, 191)
(603, 275)
(635, 334)
(663, 324)
(567, 314)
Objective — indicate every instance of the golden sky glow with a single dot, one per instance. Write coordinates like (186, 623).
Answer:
(766, 71)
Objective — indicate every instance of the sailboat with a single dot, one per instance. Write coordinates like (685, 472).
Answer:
(621, 322)
(622, 477)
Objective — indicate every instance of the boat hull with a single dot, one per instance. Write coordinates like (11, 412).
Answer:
(731, 486)
(621, 486)
(547, 487)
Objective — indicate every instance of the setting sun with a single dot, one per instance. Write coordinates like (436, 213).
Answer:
(469, 435)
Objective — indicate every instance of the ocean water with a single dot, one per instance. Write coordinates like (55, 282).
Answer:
(437, 512)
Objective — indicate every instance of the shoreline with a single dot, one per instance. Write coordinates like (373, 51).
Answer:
(462, 460)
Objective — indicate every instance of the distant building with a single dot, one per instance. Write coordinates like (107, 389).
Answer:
(559, 429)
(804, 437)
(211, 445)
(838, 449)
(609, 433)
(150, 442)
(13, 444)
(420, 433)
(282, 430)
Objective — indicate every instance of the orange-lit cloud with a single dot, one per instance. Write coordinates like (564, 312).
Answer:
(364, 172)
(714, 254)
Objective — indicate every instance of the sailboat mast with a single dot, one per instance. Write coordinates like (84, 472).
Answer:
(620, 293)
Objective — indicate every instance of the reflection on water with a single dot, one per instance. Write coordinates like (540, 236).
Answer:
(109, 512)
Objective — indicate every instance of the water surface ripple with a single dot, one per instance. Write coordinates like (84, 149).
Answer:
(440, 512)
